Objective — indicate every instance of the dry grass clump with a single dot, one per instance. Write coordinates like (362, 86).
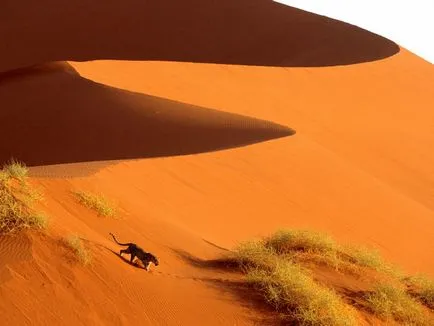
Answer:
(294, 293)
(290, 288)
(17, 198)
(369, 257)
(307, 245)
(253, 254)
(278, 265)
(75, 243)
(97, 202)
(286, 241)
(423, 289)
(392, 302)
(15, 169)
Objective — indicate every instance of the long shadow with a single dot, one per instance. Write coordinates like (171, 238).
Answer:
(223, 264)
(242, 32)
(51, 115)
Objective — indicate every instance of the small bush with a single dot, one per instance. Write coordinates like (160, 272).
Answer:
(17, 198)
(97, 202)
(392, 302)
(75, 243)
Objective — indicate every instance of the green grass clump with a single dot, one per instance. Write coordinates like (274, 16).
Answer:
(75, 243)
(17, 199)
(97, 202)
(291, 289)
(392, 302)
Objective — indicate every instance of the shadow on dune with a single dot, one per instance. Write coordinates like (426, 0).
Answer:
(242, 32)
(224, 264)
(51, 115)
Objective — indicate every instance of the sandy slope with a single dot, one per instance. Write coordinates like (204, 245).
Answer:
(360, 165)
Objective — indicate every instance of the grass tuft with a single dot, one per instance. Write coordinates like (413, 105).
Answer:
(75, 243)
(423, 289)
(369, 257)
(290, 289)
(17, 199)
(16, 169)
(392, 302)
(97, 202)
(285, 241)
(280, 267)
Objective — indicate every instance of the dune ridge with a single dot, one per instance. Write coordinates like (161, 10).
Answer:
(237, 32)
(162, 130)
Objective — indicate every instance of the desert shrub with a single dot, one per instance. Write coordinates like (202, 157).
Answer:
(285, 241)
(392, 302)
(280, 267)
(290, 289)
(97, 202)
(75, 243)
(16, 169)
(423, 289)
(17, 199)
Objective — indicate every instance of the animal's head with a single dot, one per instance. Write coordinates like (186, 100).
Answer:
(155, 260)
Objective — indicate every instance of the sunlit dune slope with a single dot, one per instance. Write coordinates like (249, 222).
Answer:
(360, 164)
(195, 141)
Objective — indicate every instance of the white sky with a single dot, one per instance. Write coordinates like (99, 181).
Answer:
(409, 23)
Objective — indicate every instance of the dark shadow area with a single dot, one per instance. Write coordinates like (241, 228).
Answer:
(223, 264)
(51, 115)
(241, 32)
(249, 298)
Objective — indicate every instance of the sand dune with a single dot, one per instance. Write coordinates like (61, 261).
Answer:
(246, 73)
(243, 32)
(51, 115)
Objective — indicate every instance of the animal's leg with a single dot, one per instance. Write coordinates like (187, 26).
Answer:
(132, 257)
(122, 252)
(147, 266)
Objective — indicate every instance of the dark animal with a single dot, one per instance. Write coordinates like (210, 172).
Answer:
(135, 251)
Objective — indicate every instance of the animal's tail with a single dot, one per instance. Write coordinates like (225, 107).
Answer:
(121, 244)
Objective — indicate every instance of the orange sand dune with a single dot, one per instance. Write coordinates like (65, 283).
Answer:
(248, 73)
(51, 115)
(246, 32)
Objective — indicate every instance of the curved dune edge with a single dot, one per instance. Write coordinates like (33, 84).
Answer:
(241, 32)
(359, 167)
(70, 119)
